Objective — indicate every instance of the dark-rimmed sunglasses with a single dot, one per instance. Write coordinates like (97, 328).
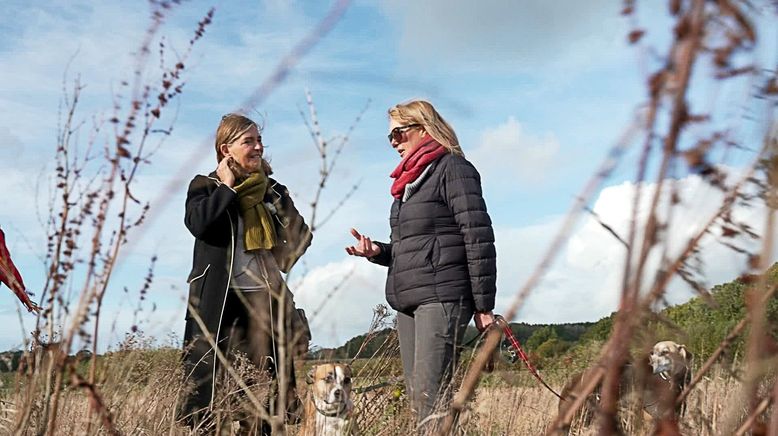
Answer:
(397, 133)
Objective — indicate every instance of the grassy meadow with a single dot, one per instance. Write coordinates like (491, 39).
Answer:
(138, 390)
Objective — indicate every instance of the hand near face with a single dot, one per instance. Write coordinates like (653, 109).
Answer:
(225, 173)
(236, 169)
(364, 247)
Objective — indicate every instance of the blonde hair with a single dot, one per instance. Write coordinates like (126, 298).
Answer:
(423, 113)
(231, 127)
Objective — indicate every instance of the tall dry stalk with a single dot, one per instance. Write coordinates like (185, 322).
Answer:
(92, 211)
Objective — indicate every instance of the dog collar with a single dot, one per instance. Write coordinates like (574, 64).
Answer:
(336, 413)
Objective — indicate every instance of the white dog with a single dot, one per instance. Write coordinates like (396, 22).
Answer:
(329, 409)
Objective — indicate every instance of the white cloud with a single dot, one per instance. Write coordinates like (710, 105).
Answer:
(582, 285)
(508, 150)
(51, 43)
(339, 297)
(494, 34)
(585, 281)
(26, 191)
(162, 325)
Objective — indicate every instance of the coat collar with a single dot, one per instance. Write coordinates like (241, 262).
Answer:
(212, 175)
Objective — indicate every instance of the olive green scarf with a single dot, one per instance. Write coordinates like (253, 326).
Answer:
(259, 232)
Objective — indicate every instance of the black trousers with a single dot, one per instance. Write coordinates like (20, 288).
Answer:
(257, 328)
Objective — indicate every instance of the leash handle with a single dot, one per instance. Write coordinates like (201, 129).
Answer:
(506, 329)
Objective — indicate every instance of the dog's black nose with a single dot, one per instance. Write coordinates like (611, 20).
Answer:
(337, 393)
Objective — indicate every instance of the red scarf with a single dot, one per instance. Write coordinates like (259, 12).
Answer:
(414, 164)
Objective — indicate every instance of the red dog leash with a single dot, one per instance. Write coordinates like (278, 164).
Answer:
(506, 329)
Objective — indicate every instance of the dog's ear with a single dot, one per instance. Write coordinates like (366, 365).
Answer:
(686, 354)
(309, 376)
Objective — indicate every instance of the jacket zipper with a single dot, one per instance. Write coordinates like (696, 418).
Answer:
(399, 238)
(399, 227)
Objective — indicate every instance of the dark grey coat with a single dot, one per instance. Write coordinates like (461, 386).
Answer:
(211, 216)
(442, 242)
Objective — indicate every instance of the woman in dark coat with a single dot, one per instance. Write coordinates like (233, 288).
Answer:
(441, 256)
(247, 232)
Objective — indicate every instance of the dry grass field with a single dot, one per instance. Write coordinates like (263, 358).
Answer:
(139, 389)
(529, 410)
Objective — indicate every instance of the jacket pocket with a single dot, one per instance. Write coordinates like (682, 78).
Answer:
(196, 286)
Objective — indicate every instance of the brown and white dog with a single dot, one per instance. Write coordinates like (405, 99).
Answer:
(329, 408)
(672, 363)
(655, 386)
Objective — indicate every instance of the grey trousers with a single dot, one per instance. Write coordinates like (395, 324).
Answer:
(429, 337)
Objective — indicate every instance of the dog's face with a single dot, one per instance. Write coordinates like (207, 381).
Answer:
(669, 357)
(331, 384)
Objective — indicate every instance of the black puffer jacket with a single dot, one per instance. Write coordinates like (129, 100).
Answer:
(442, 242)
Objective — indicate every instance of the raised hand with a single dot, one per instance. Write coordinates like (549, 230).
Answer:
(364, 247)
(225, 173)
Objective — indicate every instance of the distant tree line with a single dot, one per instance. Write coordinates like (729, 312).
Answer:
(696, 323)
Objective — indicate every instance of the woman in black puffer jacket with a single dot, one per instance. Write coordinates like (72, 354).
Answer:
(441, 256)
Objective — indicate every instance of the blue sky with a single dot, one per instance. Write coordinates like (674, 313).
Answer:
(537, 92)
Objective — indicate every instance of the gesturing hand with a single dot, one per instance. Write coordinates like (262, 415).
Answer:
(225, 173)
(364, 248)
